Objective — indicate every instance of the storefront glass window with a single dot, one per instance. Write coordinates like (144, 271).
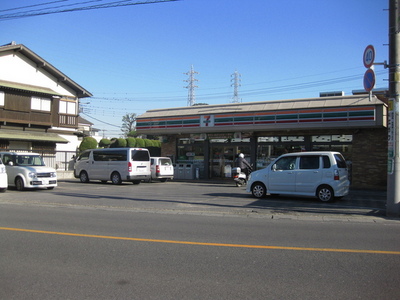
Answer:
(344, 149)
(268, 153)
(190, 152)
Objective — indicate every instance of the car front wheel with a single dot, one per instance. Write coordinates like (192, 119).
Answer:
(258, 190)
(84, 177)
(19, 184)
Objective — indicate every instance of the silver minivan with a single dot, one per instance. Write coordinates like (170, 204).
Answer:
(113, 164)
(316, 174)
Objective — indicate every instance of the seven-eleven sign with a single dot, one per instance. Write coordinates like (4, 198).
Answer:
(207, 121)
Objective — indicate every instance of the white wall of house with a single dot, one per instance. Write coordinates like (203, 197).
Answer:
(73, 144)
(16, 67)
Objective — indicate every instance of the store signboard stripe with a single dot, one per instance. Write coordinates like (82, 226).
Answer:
(259, 118)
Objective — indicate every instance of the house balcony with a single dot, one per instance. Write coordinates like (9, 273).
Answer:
(31, 118)
(69, 121)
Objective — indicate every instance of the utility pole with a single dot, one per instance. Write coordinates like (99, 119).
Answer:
(393, 187)
(191, 86)
(236, 83)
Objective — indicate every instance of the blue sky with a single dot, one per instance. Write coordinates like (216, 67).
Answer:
(133, 58)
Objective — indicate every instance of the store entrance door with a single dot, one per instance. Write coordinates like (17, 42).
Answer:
(222, 159)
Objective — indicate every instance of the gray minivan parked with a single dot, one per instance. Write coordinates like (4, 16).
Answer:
(316, 174)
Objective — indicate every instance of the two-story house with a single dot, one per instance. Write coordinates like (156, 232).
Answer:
(39, 105)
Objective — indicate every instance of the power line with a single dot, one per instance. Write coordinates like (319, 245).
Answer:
(59, 9)
(33, 5)
(248, 92)
(100, 120)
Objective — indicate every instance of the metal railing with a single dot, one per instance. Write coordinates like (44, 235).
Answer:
(59, 160)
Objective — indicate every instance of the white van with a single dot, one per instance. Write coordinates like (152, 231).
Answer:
(317, 174)
(161, 168)
(3, 177)
(115, 164)
(28, 171)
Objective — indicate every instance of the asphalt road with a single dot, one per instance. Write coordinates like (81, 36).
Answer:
(183, 240)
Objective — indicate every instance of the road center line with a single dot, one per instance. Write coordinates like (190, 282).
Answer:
(202, 243)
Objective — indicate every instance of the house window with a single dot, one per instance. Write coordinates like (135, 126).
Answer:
(1, 98)
(38, 103)
(67, 107)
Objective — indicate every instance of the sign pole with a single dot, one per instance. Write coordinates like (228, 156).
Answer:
(393, 178)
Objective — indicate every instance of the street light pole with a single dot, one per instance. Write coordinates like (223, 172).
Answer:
(393, 185)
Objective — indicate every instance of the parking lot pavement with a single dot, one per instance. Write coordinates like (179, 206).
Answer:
(223, 197)
(360, 203)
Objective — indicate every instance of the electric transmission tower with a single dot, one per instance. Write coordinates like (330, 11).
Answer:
(191, 86)
(236, 83)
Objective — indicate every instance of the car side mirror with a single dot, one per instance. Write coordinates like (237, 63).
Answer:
(10, 163)
(274, 167)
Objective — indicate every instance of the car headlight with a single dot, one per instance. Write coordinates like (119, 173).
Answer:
(53, 174)
(32, 174)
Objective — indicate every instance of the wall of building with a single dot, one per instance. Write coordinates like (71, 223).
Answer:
(370, 158)
(168, 146)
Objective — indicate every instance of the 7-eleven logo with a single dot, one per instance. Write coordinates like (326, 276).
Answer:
(207, 121)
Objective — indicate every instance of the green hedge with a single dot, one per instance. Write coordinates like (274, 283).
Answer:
(88, 142)
(130, 142)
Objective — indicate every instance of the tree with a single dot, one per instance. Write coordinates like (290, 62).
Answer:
(132, 133)
(88, 143)
(118, 143)
(128, 124)
(104, 143)
(131, 142)
(140, 143)
(148, 143)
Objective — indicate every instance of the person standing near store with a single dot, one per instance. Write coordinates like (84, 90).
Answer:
(243, 164)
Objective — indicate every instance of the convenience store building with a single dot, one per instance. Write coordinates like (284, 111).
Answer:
(209, 137)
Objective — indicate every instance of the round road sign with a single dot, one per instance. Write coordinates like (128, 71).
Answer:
(369, 56)
(369, 80)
